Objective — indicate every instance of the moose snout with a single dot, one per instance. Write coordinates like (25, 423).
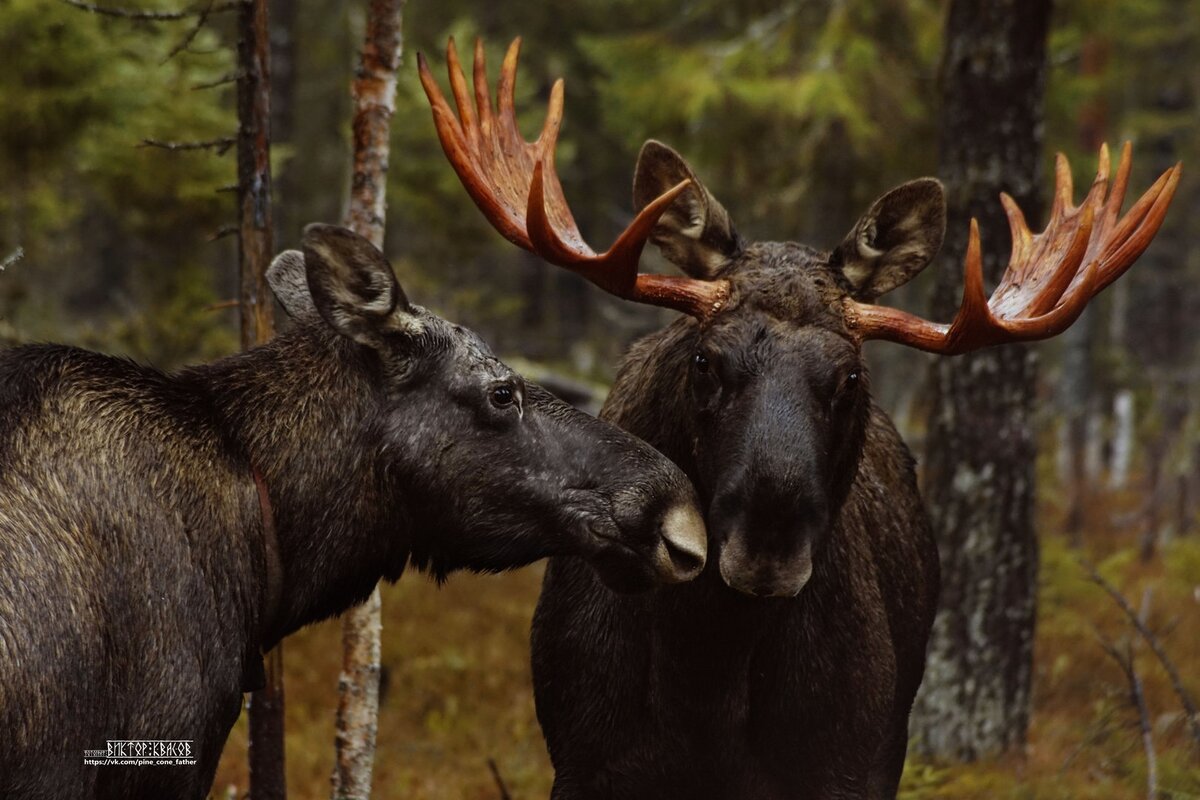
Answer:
(683, 544)
(662, 536)
(764, 548)
(765, 577)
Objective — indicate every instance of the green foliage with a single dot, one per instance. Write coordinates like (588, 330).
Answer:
(98, 215)
(182, 328)
(763, 108)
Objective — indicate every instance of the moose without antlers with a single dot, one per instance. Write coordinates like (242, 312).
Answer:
(161, 531)
(788, 669)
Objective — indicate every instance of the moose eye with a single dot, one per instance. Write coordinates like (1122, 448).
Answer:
(848, 385)
(503, 396)
(701, 362)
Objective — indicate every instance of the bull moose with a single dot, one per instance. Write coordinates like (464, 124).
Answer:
(788, 669)
(159, 532)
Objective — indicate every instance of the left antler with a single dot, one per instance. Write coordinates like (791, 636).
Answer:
(1050, 276)
(515, 185)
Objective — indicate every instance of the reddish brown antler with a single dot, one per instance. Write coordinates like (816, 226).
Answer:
(515, 185)
(1050, 277)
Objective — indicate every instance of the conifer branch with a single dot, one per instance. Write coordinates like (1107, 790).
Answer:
(193, 31)
(220, 145)
(156, 16)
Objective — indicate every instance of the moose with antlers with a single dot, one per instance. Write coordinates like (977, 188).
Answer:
(789, 667)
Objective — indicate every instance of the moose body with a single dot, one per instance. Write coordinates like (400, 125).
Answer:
(705, 691)
(161, 531)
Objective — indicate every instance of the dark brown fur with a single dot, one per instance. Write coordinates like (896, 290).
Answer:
(133, 590)
(793, 686)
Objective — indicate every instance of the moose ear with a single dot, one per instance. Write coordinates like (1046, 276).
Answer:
(895, 239)
(353, 286)
(288, 279)
(696, 233)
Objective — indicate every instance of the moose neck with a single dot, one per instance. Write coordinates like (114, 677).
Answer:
(299, 407)
(650, 395)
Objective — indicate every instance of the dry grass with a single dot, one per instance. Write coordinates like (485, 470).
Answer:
(458, 693)
(459, 688)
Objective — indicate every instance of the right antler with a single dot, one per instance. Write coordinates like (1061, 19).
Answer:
(1051, 276)
(515, 185)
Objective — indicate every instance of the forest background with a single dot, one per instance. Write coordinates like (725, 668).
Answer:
(797, 114)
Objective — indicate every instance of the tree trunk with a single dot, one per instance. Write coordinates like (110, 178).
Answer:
(267, 778)
(374, 94)
(1122, 440)
(980, 451)
(254, 172)
(285, 14)
(1077, 389)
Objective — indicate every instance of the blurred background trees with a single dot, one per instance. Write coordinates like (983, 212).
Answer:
(796, 113)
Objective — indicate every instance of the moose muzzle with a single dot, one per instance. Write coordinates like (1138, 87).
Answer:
(683, 544)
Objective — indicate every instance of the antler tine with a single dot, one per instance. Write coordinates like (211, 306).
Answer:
(1051, 277)
(973, 312)
(458, 85)
(516, 186)
(1118, 258)
(1112, 206)
(483, 101)
(506, 88)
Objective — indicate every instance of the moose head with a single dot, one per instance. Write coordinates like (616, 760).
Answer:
(769, 359)
(498, 471)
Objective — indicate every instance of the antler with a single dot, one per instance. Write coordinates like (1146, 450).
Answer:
(1050, 276)
(515, 185)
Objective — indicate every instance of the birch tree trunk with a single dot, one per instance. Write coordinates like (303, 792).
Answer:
(268, 780)
(1077, 392)
(980, 449)
(374, 94)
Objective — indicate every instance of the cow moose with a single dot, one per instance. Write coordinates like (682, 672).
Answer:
(160, 531)
(788, 669)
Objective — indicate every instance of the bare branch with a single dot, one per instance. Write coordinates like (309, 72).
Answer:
(224, 80)
(1137, 696)
(222, 305)
(1185, 697)
(190, 36)
(220, 145)
(155, 16)
(223, 231)
(500, 785)
(13, 258)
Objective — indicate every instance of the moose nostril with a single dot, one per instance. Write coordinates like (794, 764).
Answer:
(684, 544)
(685, 563)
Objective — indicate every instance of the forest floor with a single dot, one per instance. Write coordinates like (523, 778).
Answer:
(458, 687)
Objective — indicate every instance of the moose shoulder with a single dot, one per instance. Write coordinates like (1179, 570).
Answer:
(788, 669)
(142, 578)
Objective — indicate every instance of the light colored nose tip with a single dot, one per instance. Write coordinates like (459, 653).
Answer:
(769, 580)
(684, 547)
